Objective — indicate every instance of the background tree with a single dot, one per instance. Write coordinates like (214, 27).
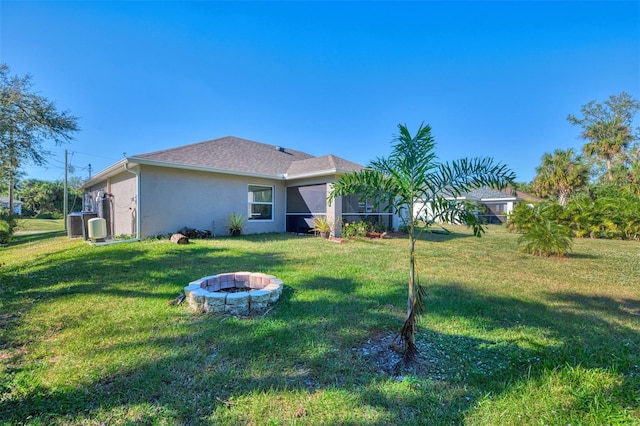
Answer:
(6, 176)
(41, 197)
(626, 175)
(26, 121)
(608, 128)
(523, 187)
(560, 174)
(414, 181)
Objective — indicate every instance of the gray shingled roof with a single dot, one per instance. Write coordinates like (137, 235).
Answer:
(486, 193)
(245, 156)
(5, 200)
(230, 153)
(317, 164)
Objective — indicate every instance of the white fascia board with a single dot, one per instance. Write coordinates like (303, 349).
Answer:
(498, 199)
(112, 170)
(317, 173)
(309, 175)
(145, 162)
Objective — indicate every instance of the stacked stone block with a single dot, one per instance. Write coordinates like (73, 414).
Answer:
(261, 291)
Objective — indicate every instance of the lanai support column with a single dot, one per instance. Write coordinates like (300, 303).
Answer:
(334, 213)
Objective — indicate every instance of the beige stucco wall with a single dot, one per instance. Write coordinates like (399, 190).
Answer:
(122, 187)
(174, 198)
(125, 197)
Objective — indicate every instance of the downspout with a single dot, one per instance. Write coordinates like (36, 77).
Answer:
(138, 221)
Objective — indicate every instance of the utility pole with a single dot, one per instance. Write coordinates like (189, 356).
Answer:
(65, 201)
(89, 167)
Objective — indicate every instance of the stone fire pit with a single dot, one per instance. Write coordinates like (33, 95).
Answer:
(238, 293)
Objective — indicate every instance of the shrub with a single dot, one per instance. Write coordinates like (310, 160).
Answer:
(542, 228)
(8, 223)
(235, 223)
(613, 216)
(321, 226)
(377, 226)
(521, 218)
(355, 229)
(546, 238)
(48, 215)
(525, 216)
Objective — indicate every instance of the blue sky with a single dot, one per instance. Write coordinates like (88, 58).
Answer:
(493, 79)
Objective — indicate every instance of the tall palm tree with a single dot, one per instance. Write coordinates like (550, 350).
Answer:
(560, 174)
(607, 140)
(416, 183)
(608, 128)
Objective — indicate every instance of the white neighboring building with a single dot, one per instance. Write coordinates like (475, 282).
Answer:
(493, 205)
(17, 205)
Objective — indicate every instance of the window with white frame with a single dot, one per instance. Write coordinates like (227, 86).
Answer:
(260, 202)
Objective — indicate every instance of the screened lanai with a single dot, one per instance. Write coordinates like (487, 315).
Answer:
(308, 201)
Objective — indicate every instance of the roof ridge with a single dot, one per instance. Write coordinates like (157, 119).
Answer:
(189, 145)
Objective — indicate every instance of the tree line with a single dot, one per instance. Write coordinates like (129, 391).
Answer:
(610, 156)
(594, 192)
(607, 166)
(27, 120)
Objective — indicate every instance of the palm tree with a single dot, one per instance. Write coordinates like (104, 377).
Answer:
(608, 128)
(560, 174)
(607, 140)
(414, 181)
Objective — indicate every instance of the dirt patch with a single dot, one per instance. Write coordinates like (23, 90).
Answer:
(385, 350)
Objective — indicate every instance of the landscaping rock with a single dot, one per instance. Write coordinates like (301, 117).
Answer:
(215, 302)
(275, 290)
(195, 299)
(240, 293)
(237, 303)
(259, 299)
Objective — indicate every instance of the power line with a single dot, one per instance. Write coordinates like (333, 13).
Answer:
(111, 158)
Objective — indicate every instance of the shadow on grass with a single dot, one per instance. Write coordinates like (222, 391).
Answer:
(302, 345)
(576, 255)
(530, 339)
(196, 366)
(17, 240)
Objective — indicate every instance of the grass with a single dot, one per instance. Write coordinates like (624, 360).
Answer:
(40, 225)
(87, 337)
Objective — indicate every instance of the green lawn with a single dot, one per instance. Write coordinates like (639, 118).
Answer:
(87, 336)
(40, 225)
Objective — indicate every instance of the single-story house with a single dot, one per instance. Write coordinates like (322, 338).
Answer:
(17, 205)
(493, 206)
(200, 185)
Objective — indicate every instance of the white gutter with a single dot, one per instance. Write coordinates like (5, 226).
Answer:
(319, 173)
(138, 220)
